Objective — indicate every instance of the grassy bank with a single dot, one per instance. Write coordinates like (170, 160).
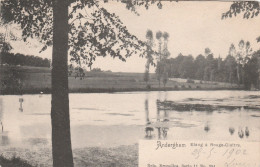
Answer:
(112, 90)
(126, 156)
(33, 80)
(13, 162)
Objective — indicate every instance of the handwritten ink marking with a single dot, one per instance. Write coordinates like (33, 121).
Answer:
(196, 153)
(229, 164)
(211, 151)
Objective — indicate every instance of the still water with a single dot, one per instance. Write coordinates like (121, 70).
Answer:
(113, 119)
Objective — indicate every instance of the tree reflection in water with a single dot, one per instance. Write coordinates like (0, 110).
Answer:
(231, 130)
(4, 134)
(149, 128)
(241, 132)
(161, 123)
(247, 132)
(207, 127)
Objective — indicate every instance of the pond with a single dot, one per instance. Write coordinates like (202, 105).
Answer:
(114, 119)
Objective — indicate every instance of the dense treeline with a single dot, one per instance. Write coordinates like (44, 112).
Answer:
(232, 69)
(24, 60)
(240, 66)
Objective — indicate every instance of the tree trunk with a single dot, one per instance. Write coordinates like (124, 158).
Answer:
(60, 119)
(230, 77)
(238, 75)
(243, 76)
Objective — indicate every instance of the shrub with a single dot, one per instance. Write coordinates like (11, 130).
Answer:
(148, 86)
(13, 162)
(190, 81)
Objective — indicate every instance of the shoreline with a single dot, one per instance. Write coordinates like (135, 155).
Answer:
(114, 90)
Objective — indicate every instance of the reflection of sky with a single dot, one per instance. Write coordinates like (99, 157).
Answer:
(103, 119)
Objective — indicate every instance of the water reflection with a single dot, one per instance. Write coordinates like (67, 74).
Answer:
(143, 115)
(231, 130)
(4, 134)
(247, 132)
(148, 128)
(181, 115)
(161, 123)
(207, 127)
(148, 131)
(1, 114)
(5, 139)
(240, 132)
(21, 104)
(147, 111)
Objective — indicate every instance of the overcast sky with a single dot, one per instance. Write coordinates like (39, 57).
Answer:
(192, 27)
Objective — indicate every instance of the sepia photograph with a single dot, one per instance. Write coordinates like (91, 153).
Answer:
(129, 83)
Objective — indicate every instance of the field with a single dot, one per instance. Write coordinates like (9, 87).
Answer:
(38, 79)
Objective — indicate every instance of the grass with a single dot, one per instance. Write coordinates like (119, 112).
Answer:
(38, 79)
(13, 162)
(121, 156)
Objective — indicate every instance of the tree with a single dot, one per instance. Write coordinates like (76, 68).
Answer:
(5, 47)
(165, 55)
(159, 38)
(230, 68)
(242, 55)
(233, 53)
(251, 71)
(209, 68)
(165, 78)
(186, 67)
(84, 36)
(199, 65)
(159, 67)
(149, 57)
(249, 9)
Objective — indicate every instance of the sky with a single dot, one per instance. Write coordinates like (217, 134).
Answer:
(192, 27)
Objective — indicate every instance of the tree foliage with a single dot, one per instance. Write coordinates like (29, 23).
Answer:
(249, 9)
(149, 54)
(93, 31)
(208, 68)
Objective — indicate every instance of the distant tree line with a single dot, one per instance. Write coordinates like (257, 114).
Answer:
(24, 60)
(241, 66)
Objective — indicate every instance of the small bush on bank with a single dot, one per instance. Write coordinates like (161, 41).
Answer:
(148, 86)
(14, 162)
(190, 81)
